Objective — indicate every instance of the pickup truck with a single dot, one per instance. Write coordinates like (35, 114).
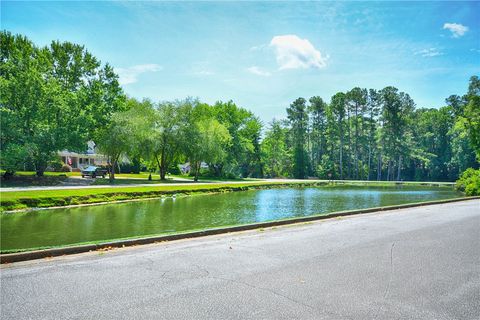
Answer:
(93, 171)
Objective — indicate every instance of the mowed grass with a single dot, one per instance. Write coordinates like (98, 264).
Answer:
(46, 173)
(48, 198)
(95, 191)
(28, 178)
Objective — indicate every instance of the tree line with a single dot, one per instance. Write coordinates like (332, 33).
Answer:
(165, 134)
(60, 96)
(367, 134)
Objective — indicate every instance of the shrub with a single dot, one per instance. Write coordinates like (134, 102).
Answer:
(56, 165)
(231, 175)
(469, 182)
(174, 169)
(66, 168)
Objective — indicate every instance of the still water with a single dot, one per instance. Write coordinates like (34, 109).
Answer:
(59, 227)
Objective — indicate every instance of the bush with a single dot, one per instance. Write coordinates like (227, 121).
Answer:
(469, 182)
(66, 168)
(134, 166)
(231, 175)
(174, 169)
(56, 165)
(12, 158)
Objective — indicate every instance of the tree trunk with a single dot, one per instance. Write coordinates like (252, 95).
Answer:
(111, 175)
(40, 167)
(389, 168)
(163, 172)
(399, 167)
(113, 164)
(197, 169)
(8, 174)
(379, 167)
(369, 160)
(341, 159)
(159, 164)
(356, 141)
(163, 165)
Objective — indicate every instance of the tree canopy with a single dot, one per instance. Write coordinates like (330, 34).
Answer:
(53, 98)
(60, 96)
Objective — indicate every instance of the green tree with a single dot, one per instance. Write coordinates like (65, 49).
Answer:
(337, 106)
(205, 138)
(395, 139)
(471, 117)
(276, 155)
(168, 123)
(117, 138)
(464, 133)
(317, 116)
(373, 110)
(298, 117)
(431, 133)
(243, 154)
(53, 98)
(356, 103)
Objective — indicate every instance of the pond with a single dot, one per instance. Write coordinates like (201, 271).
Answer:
(60, 227)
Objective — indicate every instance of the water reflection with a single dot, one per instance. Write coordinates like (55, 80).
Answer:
(114, 221)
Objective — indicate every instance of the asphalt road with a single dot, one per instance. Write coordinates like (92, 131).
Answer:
(417, 263)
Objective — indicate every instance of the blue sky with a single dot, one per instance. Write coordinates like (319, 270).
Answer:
(263, 55)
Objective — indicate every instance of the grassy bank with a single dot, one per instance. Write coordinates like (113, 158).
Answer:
(51, 198)
(29, 178)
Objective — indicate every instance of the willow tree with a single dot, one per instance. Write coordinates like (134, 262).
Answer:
(205, 139)
(168, 121)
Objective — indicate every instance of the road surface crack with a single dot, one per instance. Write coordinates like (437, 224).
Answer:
(267, 290)
(392, 270)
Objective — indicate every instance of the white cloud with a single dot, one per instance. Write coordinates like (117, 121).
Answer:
(456, 29)
(258, 48)
(259, 71)
(295, 53)
(203, 73)
(130, 74)
(430, 52)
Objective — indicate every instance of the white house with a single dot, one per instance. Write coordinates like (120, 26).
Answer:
(79, 161)
(185, 168)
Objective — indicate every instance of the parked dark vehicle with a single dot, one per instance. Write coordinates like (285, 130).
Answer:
(93, 171)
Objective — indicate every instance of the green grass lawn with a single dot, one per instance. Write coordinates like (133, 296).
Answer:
(46, 173)
(128, 181)
(48, 198)
(28, 178)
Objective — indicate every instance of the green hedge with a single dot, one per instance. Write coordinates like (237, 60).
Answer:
(469, 182)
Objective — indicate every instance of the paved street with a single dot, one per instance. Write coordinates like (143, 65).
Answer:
(417, 263)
